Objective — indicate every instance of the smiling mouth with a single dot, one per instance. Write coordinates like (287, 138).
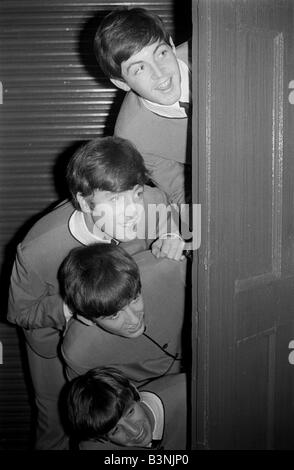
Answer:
(131, 226)
(134, 329)
(140, 436)
(165, 86)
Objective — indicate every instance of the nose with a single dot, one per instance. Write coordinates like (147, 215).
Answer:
(157, 72)
(131, 208)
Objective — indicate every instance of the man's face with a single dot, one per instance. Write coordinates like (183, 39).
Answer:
(154, 74)
(128, 322)
(134, 427)
(118, 214)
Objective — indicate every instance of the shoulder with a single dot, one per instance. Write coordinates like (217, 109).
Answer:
(169, 384)
(131, 105)
(50, 237)
(154, 196)
(134, 119)
(79, 333)
(56, 219)
(87, 346)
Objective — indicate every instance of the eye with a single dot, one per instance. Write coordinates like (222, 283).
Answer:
(136, 300)
(113, 431)
(139, 69)
(163, 52)
(114, 198)
(130, 411)
(114, 316)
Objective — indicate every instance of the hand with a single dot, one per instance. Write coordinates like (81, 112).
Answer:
(169, 247)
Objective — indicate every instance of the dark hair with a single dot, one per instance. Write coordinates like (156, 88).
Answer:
(105, 163)
(97, 400)
(99, 280)
(124, 32)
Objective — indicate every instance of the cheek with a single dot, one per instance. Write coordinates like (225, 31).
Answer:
(119, 209)
(119, 216)
(140, 412)
(104, 219)
(141, 86)
(121, 439)
(115, 327)
(139, 307)
(173, 63)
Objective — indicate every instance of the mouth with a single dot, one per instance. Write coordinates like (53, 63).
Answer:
(131, 225)
(135, 328)
(165, 86)
(140, 437)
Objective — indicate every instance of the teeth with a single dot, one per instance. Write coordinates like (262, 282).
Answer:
(164, 85)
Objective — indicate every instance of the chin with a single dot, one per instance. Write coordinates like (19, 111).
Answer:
(147, 441)
(125, 234)
(127, 237)
(170, 100)
(131, 237)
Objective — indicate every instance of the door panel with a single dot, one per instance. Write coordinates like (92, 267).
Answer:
(245, 274)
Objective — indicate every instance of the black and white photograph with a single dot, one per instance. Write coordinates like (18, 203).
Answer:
(146, 228)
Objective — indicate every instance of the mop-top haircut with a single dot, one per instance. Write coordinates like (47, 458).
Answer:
(97, 400)
(99, 280)
(105, 164)
(124, 32)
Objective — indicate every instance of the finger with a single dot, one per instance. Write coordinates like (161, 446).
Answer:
(179, 252)
(156, 248)
(173, 249)
(167, 249)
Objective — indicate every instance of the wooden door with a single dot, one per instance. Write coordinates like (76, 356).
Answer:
(243, 387)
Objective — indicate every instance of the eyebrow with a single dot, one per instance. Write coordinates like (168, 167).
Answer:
(153, 53)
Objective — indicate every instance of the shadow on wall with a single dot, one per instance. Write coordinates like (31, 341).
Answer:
(59, 171)
(16, 392)
(89, 61)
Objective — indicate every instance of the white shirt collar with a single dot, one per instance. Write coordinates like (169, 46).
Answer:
(80, 231)
(154, 404)
(174, 110)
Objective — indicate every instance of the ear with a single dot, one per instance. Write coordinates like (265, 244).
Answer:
(172, 45)
(83, 203)
(120, 84)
